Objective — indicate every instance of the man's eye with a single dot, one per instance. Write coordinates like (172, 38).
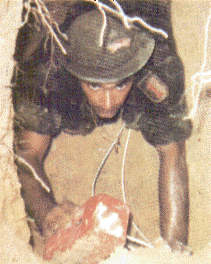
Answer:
(121, 87)
(95, 87)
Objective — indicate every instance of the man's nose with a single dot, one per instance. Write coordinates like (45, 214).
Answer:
(108, 100)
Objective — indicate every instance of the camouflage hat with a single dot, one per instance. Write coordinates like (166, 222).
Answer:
(108, 55)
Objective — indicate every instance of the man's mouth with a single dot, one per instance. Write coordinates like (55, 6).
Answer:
(103, 113)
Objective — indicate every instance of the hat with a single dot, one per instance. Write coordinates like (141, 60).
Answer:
(105, 51)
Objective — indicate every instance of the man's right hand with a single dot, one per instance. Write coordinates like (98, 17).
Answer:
(58, 218)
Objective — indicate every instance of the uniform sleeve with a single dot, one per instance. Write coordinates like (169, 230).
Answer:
(164, 126)
(34, 111)
(160, 123)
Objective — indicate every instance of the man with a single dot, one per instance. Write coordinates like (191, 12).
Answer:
(98, 71)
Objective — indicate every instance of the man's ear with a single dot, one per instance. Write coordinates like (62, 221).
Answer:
(153, 87)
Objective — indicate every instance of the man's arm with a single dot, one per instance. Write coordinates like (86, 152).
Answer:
(33, 147)
(174, 194)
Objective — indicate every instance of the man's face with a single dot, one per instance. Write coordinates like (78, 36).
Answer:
(107, 98)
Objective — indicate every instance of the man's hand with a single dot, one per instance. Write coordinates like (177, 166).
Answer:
(58, 218)
(177, 246)
(174, 195)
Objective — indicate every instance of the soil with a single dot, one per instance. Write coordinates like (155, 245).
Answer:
(73, 162)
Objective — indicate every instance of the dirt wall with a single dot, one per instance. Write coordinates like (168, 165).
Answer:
(14, 232)
(73, 161)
